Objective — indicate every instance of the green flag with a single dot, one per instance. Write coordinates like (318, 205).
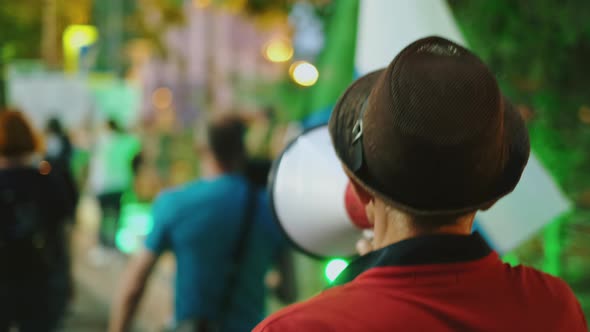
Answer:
(336, 62)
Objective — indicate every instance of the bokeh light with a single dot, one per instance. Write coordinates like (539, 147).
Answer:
(334, 268)
(44, 167)
(162, 98)
(77, 36)
(584, 114)
(278, 50)
(304, 73)
(135, 223)
(201, 3)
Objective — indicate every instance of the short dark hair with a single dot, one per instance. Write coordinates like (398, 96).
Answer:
(17, 137)
(225, 139)
(113, 125)
(54, 126)
(435, 221)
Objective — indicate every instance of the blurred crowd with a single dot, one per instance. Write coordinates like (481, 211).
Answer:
(218, 225)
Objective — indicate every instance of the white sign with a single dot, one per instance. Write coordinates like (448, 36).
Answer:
(44, 95)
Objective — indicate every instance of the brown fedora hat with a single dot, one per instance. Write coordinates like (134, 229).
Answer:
(432, 133)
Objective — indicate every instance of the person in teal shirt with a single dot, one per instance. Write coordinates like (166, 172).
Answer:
(200, 223)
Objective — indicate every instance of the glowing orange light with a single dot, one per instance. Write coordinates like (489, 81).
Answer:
(44, 167)
(162, 98)
(584, 114)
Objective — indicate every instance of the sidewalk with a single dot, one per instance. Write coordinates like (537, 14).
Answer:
(97, 285)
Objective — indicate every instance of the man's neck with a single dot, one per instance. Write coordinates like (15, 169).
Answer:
(211, 169)
(395, 226)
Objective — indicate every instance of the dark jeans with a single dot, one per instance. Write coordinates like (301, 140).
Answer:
(110, 204)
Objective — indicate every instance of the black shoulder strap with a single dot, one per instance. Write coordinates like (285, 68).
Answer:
(239, 249)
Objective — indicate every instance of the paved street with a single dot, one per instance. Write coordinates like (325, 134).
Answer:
(96, 284)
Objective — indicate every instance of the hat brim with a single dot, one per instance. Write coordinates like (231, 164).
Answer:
(347, 112)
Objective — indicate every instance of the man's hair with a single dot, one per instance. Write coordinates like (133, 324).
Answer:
(225, 139)
(435, 221)
(17, 137)
(113, 125)
(54, 126)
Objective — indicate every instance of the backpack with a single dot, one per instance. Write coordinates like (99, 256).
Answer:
(24, 247)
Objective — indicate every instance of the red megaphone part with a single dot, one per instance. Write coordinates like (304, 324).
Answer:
(355, 208)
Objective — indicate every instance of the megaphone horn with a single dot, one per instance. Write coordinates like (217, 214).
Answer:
(320, 212)
(313, 200)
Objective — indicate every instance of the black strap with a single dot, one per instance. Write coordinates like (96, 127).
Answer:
(239, 250)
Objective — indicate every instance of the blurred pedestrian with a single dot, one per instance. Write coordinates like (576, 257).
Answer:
(221, 231)
(111, 175)
(35, 282)
(58, 148)
(58, 153)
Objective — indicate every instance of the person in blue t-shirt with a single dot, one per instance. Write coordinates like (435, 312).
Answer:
(200, 222)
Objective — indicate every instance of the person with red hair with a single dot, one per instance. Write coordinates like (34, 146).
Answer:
(35, 283)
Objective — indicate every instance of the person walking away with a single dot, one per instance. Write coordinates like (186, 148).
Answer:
(202, 223)
(58, 153)
(111, 175)
(34, 283)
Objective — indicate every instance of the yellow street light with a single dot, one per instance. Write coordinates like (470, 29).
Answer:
(278, 50)
(75, 37)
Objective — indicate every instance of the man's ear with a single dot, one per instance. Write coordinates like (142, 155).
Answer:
(361, 192)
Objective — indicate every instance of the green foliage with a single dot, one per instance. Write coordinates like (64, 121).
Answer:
(21, 24)
(261, 6)
(20, 28)
(540, 55)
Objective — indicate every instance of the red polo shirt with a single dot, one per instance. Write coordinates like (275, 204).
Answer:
(436, 283)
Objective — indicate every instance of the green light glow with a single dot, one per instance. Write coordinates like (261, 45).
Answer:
(135, 223)
(126, 241)
(334, 267)
(511, 259)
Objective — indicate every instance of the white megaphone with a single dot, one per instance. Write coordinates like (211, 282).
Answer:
(319, 212)
(313, 200)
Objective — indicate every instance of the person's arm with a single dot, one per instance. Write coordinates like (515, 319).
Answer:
(286, 291)
(135, 278)
(131, 290)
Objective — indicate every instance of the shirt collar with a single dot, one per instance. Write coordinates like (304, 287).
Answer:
(429, 249)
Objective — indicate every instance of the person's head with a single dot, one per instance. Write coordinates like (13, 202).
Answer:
(430, 139)
(270, 113)
(113, 125)
(17, 137)
(55, 127)
(137, 162)
(223, 147)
